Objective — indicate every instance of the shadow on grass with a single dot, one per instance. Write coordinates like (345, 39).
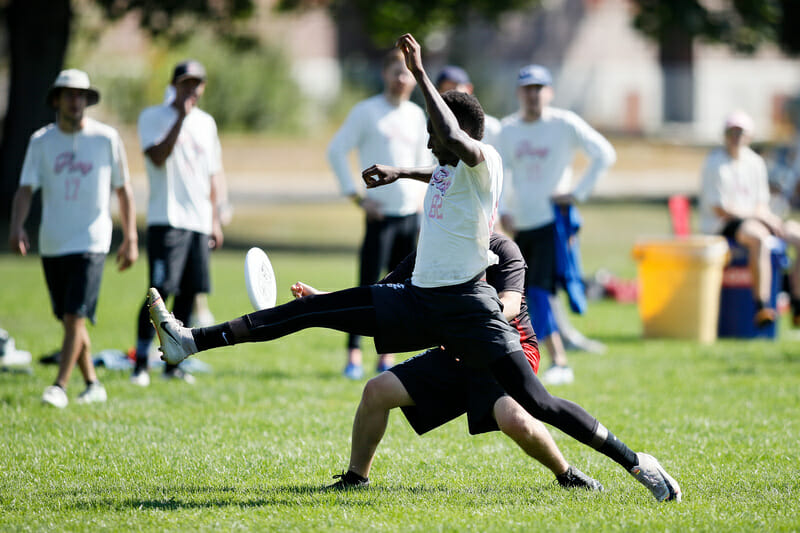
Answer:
(296, 495)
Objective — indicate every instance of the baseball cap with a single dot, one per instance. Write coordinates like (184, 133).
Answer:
(739, 119)
(73, 79)
(188, 69)
(453, 73)
(534, 75)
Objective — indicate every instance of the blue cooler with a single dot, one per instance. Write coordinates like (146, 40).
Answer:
(736, 305)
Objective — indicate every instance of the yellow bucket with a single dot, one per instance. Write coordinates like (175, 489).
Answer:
(679, 285)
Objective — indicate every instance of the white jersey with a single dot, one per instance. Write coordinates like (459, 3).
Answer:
(736, 185)
(180, 189)
(491, 130)
(538, 156)
(388, 135)
(460, 210)
(76, 173)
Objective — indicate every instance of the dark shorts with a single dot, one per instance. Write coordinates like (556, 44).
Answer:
(730, 228)
(539, 250)
(73, 282)
(178, 260)
(444, 389)
(465, 318)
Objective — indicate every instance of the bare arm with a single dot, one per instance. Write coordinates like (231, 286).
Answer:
(128, 251)
(17, 236)
(378, 175)
(444, 123)
(512, 303)
(158, 153)
(216, 225)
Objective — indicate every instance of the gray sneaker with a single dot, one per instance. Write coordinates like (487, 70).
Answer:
(176, 341)
(94, 393)
(650, 474)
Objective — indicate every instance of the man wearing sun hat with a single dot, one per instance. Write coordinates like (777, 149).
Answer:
(734, 202)
(538, 144)
(75, 161)
(183, 159)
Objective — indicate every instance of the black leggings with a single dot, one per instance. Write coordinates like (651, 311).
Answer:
(353, 311)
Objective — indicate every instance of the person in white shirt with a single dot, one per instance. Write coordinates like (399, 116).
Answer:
(76, 162)
(538, 145)
(447, 302)
(183, 159)
(388, 129)
(734, 202)
(454, 78)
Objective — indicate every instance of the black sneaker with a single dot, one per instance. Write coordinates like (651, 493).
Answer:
(349, 480)
(574, 478)
(177, 374)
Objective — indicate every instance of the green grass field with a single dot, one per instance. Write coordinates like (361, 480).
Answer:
(251, 444)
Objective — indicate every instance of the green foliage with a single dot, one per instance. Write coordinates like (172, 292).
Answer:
(744, 25)
(249, 88)
(385, 20)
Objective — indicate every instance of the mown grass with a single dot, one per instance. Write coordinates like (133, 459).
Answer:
(251, 444)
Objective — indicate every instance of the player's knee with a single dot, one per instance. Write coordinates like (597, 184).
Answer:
(512, 419)
(375, 392)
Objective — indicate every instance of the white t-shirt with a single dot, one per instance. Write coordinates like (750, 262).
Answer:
(180, 189)
(76, 172)
(388, 135)
(538, 156)
(460, 210)
(737, 185)
(491, 130)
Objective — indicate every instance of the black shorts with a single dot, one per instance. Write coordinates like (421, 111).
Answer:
(538, 247)
(178, 260)
(465, 318)
(730, 228)
(444, 389)
(73, 282)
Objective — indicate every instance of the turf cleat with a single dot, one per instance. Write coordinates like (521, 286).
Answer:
(575, 479)
(650, 474)
(176, 341)
(348, 481)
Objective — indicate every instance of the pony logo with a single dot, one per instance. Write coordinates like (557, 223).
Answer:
(66, 161)
(526, 149)
(441, 180)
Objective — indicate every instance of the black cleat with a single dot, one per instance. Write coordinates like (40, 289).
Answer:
(574, 478)
(348, 481)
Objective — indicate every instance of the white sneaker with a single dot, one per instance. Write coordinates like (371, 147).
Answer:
(558, 375)
(650, 474)
(176, 341)
(140, 378)
(55, 396)
(94, 393)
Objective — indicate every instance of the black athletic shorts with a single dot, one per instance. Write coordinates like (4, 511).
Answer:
(465, 318)
(178, 260)
(444, 389)
(73, 282)
(538, 247)
(730, 228)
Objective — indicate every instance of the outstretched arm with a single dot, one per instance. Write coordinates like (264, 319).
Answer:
(444, 122)
(378, 175)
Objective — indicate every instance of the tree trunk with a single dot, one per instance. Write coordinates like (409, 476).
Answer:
(38, 32)
(676, 55)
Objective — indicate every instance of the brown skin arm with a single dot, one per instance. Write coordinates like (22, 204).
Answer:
(443, 121)
(17, 237)
(128, 251)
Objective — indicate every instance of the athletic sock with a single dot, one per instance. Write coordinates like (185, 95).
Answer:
(213, 336)
(618, 451)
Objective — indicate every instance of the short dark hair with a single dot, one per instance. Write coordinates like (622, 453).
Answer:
(468, 112)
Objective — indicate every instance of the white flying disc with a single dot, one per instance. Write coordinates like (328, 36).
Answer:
(259, 279)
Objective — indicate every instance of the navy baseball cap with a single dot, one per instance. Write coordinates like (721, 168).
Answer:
(189, 69)
(453, 73)
(534, 75)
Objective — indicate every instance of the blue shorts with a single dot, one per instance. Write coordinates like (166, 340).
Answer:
(466, 319)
